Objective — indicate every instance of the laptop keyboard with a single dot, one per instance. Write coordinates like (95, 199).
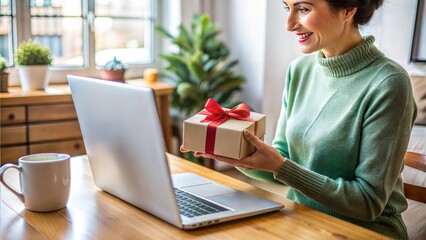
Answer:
(192, 206)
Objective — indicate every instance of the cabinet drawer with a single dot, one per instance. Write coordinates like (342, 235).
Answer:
(12, 154)
(39, 113)
(12, 115)
(71, 147)
(13, 135)
(54, 131)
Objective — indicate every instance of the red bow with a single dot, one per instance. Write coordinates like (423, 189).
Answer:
(216, 115)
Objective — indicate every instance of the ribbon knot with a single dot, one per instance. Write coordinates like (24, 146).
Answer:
(216, 115)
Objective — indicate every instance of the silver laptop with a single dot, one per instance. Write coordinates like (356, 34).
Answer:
(125, 145)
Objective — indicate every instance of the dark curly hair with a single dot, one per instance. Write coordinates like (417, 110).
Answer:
(365, 11)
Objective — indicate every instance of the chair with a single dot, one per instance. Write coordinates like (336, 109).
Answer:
(414, 176)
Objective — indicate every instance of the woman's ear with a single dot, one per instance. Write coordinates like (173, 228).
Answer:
(350, 13)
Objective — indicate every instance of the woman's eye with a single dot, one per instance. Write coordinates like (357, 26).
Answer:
(303, 10)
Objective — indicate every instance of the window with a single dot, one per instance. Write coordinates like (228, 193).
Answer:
(6, 19)
(82, 34)
(418, 47)
(58, 25)
(122, 29)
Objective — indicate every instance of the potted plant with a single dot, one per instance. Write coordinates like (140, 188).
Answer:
(4, 75)
(200, 70)
(33, 60)
(114, 70)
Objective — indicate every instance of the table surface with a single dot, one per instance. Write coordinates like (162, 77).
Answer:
(62, 92)
(94, 214)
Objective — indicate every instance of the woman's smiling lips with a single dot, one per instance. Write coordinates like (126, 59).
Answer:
(303, 37)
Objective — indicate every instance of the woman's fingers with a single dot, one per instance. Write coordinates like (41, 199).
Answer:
(252, 138)
(220, 158)
(198, 154)
(181, 149)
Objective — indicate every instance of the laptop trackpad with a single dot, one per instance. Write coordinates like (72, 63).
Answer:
(206, 190)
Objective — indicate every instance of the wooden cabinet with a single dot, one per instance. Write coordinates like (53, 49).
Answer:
(46, 121)
(37, 122)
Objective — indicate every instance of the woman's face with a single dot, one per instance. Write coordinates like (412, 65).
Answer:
(318, 27)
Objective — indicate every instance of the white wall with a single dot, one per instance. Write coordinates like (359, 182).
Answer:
(393, 27)
(247, 44)
(281, 48)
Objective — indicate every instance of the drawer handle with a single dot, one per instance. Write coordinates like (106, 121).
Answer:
(77, 146)
(11, 116)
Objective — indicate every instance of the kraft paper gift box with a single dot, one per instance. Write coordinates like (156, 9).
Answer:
(228, 140)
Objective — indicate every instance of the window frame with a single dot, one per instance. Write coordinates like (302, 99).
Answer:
(419, 34)
(21, 31)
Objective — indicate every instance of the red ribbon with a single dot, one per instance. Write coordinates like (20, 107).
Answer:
(216, 115)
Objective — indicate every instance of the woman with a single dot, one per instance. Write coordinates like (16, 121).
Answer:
(346, 117)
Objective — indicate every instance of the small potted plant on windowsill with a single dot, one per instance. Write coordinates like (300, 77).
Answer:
(4, 75)
(114, 70)
(33, 60)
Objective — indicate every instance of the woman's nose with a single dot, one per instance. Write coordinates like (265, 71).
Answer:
(292, 22)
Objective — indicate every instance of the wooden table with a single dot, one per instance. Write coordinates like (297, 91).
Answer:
(94, 214)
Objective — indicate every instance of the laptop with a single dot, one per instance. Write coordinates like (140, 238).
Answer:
(124, 142)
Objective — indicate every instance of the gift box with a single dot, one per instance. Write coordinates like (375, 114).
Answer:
(219, 131)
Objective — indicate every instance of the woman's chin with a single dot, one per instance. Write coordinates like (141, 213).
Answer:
(306, 50)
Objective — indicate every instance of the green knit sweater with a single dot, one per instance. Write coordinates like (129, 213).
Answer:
(344, 126)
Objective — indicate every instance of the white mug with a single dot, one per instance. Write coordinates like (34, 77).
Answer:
(44, 180)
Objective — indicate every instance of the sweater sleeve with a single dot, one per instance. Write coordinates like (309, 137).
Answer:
(279, 142)
(384, 139)
(279, 145)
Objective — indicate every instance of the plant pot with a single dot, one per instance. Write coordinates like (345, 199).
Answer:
(113, 75)
(34, 77)
(4, 82)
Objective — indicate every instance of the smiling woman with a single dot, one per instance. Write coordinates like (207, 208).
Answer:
(346, 116)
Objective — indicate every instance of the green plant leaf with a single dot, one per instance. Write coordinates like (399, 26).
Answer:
(196, 68)
(228, 84)
(200, 68)
(3, 64)
(32, 53)
(222, 71)
(172, 77)
(164, 32)
(210, 65)
(184, 40)
(177, 65)
(224, 97)
(209, 36)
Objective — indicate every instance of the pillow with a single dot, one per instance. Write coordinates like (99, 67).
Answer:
(419, 92)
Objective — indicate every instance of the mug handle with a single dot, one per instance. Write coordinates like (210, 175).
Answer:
(3, 169)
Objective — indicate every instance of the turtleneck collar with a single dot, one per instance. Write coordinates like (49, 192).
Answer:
(351, 61)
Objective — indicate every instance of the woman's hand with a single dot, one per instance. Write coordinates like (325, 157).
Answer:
(265, 157)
